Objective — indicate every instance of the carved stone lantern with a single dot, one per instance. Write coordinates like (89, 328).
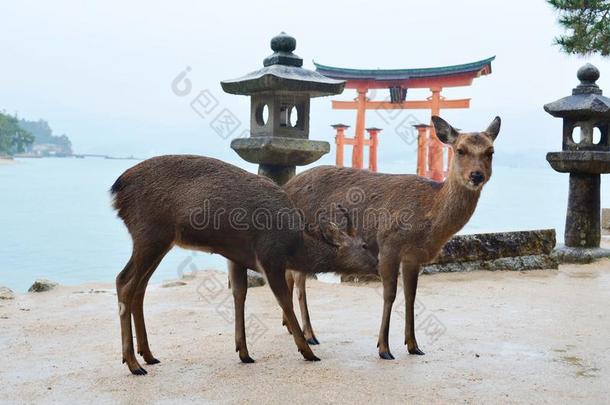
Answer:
(585, 155)
(279, 114)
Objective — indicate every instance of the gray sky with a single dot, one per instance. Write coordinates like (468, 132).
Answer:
(101, 71)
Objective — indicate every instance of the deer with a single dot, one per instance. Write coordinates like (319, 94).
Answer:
(202, 203)
(405, 219)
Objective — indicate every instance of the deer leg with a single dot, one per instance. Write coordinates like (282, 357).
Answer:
(277, 281)
(300, 279)
(290, 283)
(238, 277)
(137, 311)
(410, 274)
(388, 269)
(126, 283)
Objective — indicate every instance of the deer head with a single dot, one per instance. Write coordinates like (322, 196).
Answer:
(472, 152)
(350, 253)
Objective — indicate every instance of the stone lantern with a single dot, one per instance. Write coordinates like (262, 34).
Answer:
(585, 155)
(279, 111)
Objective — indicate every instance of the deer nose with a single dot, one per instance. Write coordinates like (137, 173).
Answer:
(477, 177)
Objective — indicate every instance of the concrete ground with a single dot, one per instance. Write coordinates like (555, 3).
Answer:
(509, 337)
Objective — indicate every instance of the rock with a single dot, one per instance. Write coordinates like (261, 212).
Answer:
(6, 293)
(517, 251)
(41, 285)
(492, 246)
(518, 263)
(255, 279)
(359, 278)
(177, 283)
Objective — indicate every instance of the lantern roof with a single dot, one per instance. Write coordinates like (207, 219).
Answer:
(283, 72)
(586, 100)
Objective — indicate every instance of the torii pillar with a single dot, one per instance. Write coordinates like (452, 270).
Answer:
(340, 142)
(423, 131)
(373, 142)
(436, 168)
(358, 153)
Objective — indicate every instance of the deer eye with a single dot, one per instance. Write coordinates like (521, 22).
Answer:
(364, 246)
(461, 152)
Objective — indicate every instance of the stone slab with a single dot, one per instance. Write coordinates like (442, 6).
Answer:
(512, 251)
(280, 151)
(517, 263)
(491, 246)
(580, 161)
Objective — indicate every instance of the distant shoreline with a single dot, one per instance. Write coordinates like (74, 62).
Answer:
(7, 160)
(73, 156)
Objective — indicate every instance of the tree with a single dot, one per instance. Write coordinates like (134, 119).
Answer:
(588, 26)
(43, 134)
(13, 139)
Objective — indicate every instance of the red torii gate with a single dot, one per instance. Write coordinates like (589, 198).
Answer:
(430, 150)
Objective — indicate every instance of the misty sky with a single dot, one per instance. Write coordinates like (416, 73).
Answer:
(101, 72)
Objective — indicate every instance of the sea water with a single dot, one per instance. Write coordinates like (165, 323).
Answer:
(56, 219)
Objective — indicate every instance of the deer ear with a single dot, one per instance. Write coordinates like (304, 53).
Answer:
(494, 128)
(445, 132)
(331, 233)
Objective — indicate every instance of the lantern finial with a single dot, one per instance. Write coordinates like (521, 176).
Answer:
(588, 75)
(282, 46)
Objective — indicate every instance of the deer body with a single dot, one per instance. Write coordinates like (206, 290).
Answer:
(405, 219)
(203, 203)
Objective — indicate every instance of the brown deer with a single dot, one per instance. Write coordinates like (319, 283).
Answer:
(203, 203)
(405, 219)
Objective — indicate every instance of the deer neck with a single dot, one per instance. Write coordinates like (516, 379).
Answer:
(313, 256)
(453, 206)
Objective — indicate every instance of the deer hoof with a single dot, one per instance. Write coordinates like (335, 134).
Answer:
(416, 351)
(139, 371)
(313, 341)
(149, 358)
(386, 355)
(309, 356)
(246, 359)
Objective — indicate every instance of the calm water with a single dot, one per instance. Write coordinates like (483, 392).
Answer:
(56, 220)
